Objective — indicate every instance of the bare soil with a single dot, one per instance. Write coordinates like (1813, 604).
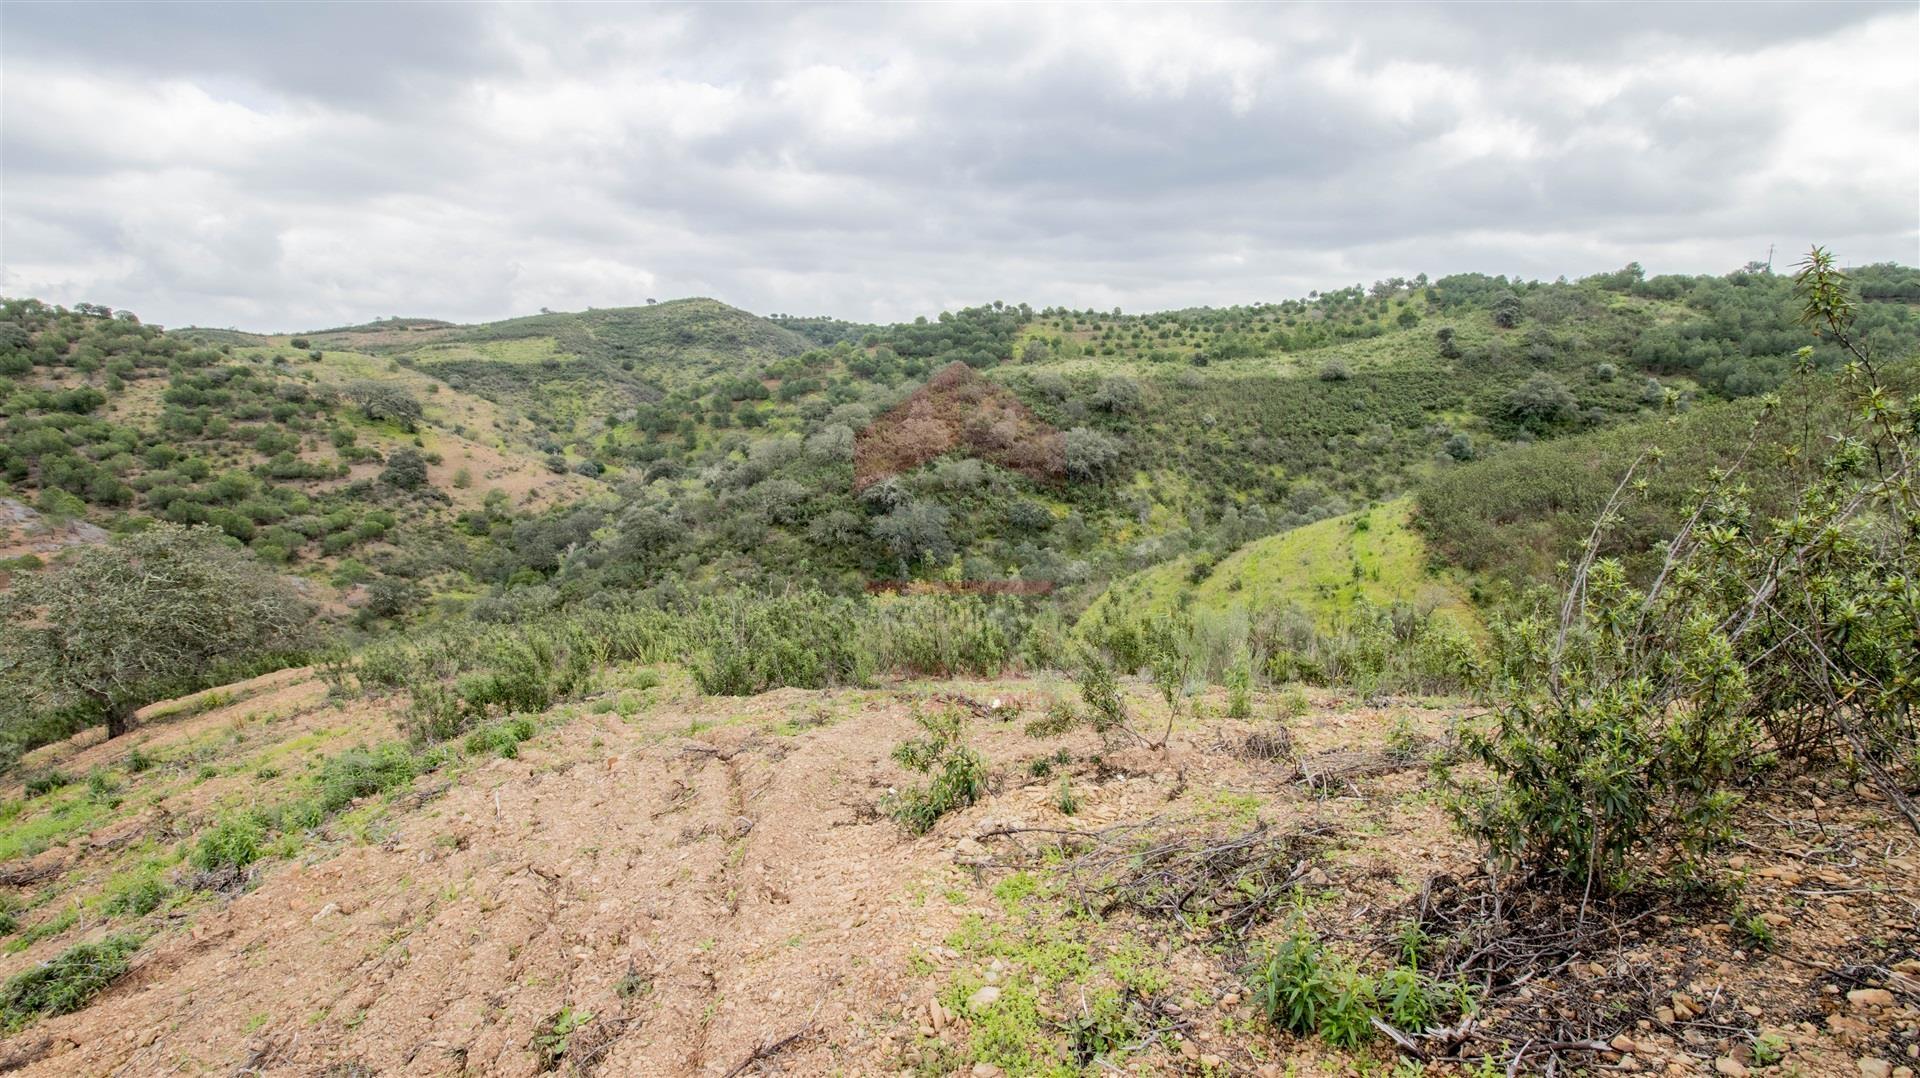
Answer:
(708, 886)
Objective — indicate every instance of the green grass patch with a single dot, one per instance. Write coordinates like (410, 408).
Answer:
(67, 983)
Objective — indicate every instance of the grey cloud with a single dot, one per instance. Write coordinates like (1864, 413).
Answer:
(285, 166)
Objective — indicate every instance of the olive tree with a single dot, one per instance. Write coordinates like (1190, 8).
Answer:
(124, 624)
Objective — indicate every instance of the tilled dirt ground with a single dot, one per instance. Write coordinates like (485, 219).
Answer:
(707, 888)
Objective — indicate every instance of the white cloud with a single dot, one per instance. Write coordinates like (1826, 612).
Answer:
(295, 166)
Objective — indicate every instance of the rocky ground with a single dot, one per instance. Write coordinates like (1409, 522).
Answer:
(665, 884)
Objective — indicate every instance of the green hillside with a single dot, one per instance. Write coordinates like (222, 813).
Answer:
(1324, 569)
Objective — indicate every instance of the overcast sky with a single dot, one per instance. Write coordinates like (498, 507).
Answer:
(283, 166)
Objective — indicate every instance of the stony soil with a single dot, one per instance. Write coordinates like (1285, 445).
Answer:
(705, 886)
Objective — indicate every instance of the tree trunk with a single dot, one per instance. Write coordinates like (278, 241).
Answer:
(119, 720)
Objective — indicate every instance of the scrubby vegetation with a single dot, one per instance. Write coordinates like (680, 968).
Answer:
(1648, 543)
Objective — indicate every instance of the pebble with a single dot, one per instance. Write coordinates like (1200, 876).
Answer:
(1873, 1067)
(1870, 997)
(984, 998)
(1730, 1067)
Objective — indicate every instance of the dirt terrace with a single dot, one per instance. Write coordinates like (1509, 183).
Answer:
(704, 887)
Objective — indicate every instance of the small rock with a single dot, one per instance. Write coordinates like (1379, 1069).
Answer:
(986, 1070)
(1624, 1045)
(1730, 1067)
(984, 998)
(1663, 1015)
(1874, 1067)
(1870, 997)
(324, 911)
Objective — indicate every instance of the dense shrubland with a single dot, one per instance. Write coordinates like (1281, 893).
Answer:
(1629, 718)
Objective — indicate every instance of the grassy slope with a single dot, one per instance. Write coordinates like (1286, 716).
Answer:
(1312, 567)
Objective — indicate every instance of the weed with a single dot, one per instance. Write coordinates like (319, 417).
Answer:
(1059, 718)
(1303, 988)
(501, 738)
(46, 782)
(1240, 688)
(362, 772)
(1753, 930)
(550, 1044)
(102, 788)
(65, 984)
(1293, 704)
(1064, 800)
(233, 842)
(133, 895)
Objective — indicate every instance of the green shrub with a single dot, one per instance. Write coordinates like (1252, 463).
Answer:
(959, 774)
(1627, 722)
(363, 772)
(233, 842)
(805, 640)
(134, 895)
(943, 636)
(46, 782)
(66, 983)
(500, 738)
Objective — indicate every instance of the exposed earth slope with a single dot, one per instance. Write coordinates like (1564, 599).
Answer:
(663, 883)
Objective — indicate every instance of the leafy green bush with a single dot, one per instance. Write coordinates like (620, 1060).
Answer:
(959, 774)
(363, 772)
(501, 738)
(66, 983)
(1626, 723)
(233, 842)
(134, 895)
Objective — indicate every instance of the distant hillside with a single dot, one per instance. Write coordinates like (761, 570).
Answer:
(566, 370)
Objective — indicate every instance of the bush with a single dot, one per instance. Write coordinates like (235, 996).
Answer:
(805, 640)
(66, 983)
(959, 774)
(943, 636)
(135, 895)
(363, 772)
(1627, 721)
(406, 469)
(233, 842)
(500, 738)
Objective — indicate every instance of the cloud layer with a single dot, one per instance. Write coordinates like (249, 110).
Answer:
(285, 166)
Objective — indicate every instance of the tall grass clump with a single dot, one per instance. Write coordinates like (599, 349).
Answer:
(805, 640)
(944, 635)
(66, 983)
